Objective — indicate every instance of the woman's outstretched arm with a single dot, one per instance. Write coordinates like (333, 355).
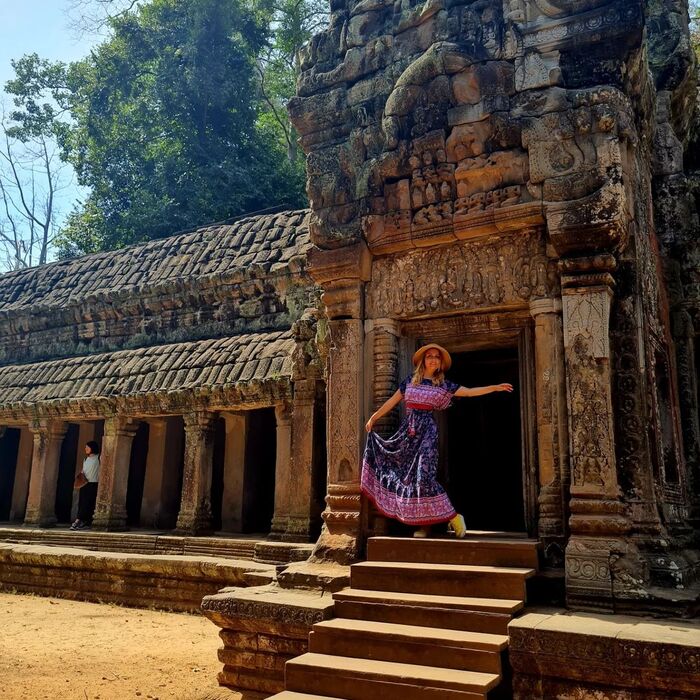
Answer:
(383, 410)
(483, 390)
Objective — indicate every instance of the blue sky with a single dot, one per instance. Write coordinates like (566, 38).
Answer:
(42, 27)
(37, 26)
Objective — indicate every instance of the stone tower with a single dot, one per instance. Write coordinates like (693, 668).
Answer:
(498, 174)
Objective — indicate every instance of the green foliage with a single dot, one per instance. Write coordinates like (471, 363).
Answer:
(162, 122)
(694, 8)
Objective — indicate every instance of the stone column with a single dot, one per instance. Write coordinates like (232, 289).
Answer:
(300, 485)
(342, 274)
(385, 360)
(234, 471)
(598, 521)
(283, 469)
(85, 434)
(46, 453)
(684, 340)
(23, 472)
(195, 504)
(552, 427)
(115, 458)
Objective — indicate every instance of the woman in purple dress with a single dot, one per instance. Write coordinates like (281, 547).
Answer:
(400, 474)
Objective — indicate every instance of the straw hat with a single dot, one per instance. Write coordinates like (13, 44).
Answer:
(446, 359)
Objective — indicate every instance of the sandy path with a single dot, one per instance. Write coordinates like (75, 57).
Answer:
(51, 649)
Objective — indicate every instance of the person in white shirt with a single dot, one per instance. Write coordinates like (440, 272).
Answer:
(88, 493)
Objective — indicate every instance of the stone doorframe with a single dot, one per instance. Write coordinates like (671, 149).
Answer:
(514, 330)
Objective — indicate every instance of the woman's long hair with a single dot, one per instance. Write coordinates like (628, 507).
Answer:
(94, 447)
(438, 377)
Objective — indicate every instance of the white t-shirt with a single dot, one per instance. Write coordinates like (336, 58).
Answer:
(91, 467)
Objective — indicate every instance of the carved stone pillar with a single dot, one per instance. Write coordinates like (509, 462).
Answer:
(195, 504)
(23, 470)
(115, 457)
(46, 453)
(552, 427)
(301, 487)
(342, 274)
(234, 471)
(385, 352)
(283, 467)
(598, 521)
(684, 338)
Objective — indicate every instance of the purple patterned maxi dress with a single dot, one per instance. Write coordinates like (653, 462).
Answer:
(400, 474)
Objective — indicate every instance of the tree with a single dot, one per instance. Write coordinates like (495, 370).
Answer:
(294, 22)
(161, 123)
(31, 176)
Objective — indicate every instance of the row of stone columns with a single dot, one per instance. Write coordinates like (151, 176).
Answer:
(40, 449)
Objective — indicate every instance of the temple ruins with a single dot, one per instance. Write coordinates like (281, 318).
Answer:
(516, 180)
(192, 361)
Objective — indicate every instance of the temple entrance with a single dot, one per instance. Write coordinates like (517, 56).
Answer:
(9, 446)
(259, 477)
(66, 474)
(137, 475)
(482, 446)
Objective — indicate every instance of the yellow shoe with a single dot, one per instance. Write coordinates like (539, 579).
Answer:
(459, 526)
(421, 532)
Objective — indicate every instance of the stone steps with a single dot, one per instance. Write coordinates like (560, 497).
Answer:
(441, 579)
(409, 644)
(422, 620)
(490, 615)
(151, 543)
(469, 551)
(365, 679)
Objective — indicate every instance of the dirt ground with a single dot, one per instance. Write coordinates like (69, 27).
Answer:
(51, 648)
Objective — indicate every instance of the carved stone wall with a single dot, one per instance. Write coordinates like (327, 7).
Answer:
(481, 151)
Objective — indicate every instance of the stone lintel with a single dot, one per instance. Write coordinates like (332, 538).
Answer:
(565, 654)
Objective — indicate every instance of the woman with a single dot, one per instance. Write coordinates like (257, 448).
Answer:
(88, 493)
(400, 474)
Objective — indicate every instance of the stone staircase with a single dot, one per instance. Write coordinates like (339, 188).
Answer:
(422, 620)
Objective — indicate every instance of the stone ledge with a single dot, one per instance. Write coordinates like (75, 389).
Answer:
(614, 657)
(168, 582)
(262, 628)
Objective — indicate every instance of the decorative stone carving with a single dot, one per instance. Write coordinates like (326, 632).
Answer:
(506, 270)
(110, 509)
(48, 437)
(195, 505)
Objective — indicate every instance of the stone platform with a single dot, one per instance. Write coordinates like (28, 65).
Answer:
(560, 654)
(252, 547)
(165, 581)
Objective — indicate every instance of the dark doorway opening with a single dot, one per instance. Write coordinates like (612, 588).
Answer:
(259, 479)
(9, 446)
(66, 474)
(217, 476)
(483, 470)
(319, 469)
(137, 475)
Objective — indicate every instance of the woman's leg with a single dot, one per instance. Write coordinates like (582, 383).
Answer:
(86, 502)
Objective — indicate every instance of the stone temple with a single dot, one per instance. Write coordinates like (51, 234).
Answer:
(516, 180)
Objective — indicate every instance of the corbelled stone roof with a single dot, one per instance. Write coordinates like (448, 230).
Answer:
(266, 242)
(192, 366)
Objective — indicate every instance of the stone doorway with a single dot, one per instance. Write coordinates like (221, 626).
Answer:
(259, 475)
(137, 475)
(9, 446)
(66, 474)
(482, 445)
